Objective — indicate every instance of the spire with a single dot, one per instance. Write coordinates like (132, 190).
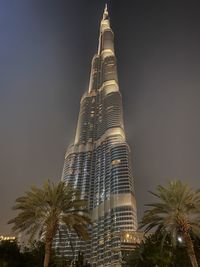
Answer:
(105, 13)
(106, 8)
(105, 25)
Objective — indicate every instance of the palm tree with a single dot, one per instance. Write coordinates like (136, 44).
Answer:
(177, 213)
(41, 211)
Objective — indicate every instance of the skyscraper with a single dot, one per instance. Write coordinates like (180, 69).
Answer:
(98, 162)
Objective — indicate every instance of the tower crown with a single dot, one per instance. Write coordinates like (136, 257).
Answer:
(103, 67)
(105, 22)
(105, 14)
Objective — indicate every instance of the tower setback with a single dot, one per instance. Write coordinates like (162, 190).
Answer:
(98, 162)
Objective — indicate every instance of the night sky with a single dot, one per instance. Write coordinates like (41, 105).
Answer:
(45, 51)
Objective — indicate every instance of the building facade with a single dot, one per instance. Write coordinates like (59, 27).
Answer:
(98, 162)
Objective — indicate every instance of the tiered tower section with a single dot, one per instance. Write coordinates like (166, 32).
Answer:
(98, 163)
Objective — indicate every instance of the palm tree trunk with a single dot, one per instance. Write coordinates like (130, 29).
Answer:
(51, 231)
(47, 253)
(190, 250)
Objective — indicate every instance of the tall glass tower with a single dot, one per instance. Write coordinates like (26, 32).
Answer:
(98, 162)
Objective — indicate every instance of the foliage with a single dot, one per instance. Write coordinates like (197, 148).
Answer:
(12, 256)
(151, 252)
(9, 254)
(41, 211)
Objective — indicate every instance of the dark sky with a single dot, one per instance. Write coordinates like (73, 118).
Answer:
(45, 51)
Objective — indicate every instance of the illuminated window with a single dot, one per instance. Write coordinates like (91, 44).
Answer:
(116, 161)
(101, 242)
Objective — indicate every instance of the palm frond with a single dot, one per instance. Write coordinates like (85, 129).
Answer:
(42, 209)
(177, 209)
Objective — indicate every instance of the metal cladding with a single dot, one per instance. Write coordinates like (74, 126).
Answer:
(98, 163)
